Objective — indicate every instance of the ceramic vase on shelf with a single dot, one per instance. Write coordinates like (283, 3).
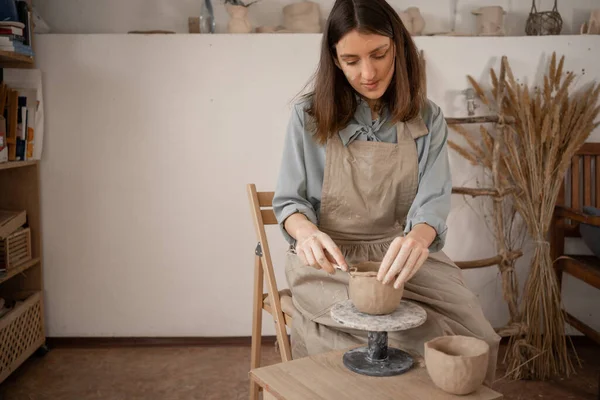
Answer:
(592, 27)
(418, 22)
(238, 22)
(302, 17)
(412, 20)
(490, 21)
(207, 17)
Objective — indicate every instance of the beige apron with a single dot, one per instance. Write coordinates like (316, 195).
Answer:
(368, 189)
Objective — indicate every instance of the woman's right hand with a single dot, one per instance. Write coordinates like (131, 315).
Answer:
(315, 248)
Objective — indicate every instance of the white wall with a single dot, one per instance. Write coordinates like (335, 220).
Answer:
(149, 143)
(121, 16)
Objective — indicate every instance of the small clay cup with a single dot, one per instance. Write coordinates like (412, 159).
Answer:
(457, 364)
(370, 296)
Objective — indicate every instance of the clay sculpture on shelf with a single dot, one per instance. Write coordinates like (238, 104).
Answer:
(490, 21)
(369, 295)
(413, 20)
(238, 16)
(592, 27)
(238, 22)
(457, 364)
(302, 17)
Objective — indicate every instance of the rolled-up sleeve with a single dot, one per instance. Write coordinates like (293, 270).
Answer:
(291, 190)
(432, 202)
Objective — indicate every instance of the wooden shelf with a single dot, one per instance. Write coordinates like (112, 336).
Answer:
(21, 268)
(22, 330)
(9, 59)
(17, 164)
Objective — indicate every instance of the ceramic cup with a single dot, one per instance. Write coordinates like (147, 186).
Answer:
(457, 364)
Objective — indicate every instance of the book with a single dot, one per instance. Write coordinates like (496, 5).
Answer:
(25, 17)
(17, 47)
(11, 30)
(21, 128)
(28, 82)
(12, 114)
(3, 144)
(8, 39)
(15, 24)
(3, 126)
(30, 144)
(28, 122)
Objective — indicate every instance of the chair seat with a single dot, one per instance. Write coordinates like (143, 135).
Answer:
(287, 306)
(585, 268)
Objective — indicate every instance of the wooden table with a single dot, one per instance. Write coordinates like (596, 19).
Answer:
(325, 377)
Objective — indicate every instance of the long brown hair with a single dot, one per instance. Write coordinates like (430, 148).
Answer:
(333, 101)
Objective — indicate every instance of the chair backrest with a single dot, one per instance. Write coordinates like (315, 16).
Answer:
(261, 204)
(265, 203)
(582, 183)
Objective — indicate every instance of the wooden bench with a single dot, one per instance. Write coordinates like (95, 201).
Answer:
(581, 188)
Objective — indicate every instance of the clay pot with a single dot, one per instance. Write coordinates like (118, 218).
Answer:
(490, 21)
(457, 364)
(592, 27)
(302, 17)
(412, 20)
(239, 19)
(406, 20)
(370, 296)
(418, 22)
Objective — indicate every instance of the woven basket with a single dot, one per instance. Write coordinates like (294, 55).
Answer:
(545, 22)
(15, 249)
(21, 334)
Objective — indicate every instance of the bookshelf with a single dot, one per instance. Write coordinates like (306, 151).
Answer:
(16, 164)
(22, 329)
(12, 60)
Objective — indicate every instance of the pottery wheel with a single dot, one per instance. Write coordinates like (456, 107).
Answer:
(377, 359)
(407, 315)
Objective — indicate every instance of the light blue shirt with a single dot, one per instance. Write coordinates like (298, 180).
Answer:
(303, 165)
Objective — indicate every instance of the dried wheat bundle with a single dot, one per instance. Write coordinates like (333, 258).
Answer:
(550, 125)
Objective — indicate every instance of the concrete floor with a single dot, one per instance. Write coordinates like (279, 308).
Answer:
(211, 373)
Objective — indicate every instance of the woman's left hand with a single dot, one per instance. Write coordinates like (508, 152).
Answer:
(406, 255)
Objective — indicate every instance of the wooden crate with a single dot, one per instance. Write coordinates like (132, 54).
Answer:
(15, 249)
(21, 333)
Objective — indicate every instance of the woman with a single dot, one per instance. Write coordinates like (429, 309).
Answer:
(365, 176)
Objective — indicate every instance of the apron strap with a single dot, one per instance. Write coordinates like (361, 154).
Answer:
(417, 127)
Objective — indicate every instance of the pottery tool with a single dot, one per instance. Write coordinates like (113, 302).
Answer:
(377, 358)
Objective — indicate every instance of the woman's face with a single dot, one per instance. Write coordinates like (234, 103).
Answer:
(367, 60)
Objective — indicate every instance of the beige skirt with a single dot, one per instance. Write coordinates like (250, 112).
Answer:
(438, 287)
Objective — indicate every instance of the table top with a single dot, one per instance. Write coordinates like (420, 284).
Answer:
(407, 315)
(325, 377)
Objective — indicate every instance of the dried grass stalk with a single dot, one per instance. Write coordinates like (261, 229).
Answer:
(504, 215)
(488, 155)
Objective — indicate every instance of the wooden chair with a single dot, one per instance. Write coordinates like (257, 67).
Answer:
(277, 303)
(582, 189)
